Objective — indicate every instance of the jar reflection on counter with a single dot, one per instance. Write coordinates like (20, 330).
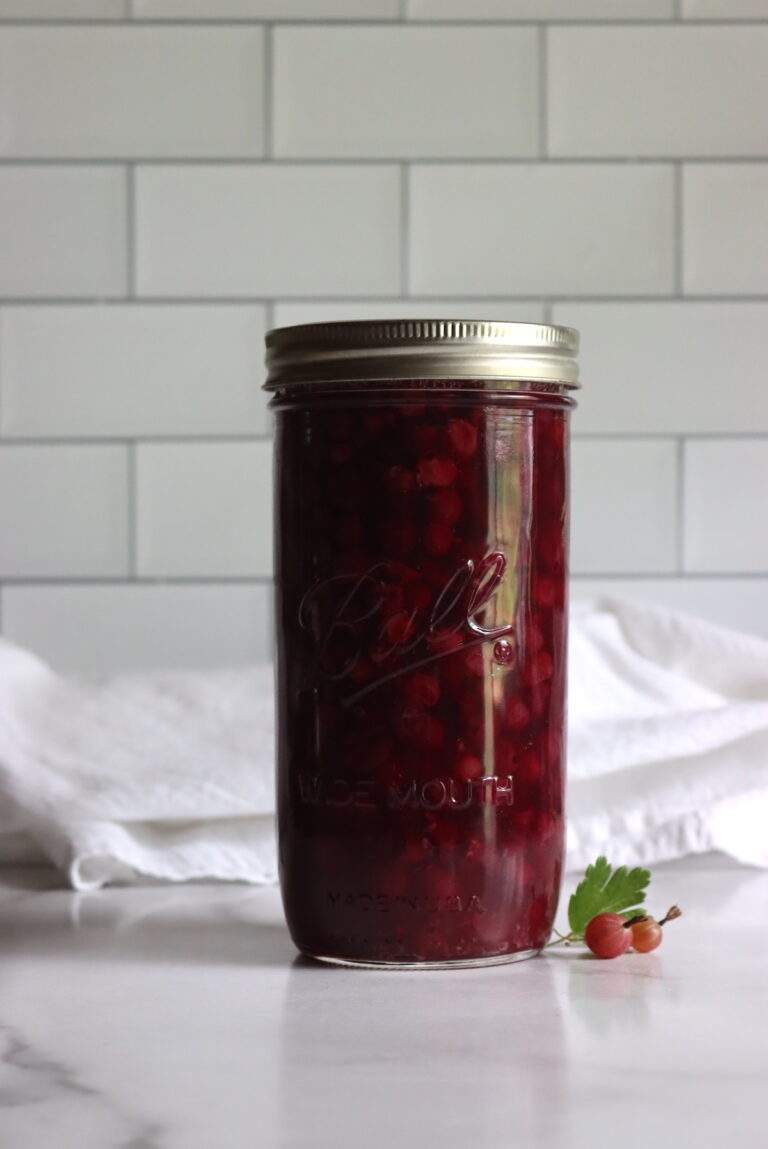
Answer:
(421, 561)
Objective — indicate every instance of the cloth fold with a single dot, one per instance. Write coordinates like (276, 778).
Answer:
(169, 776)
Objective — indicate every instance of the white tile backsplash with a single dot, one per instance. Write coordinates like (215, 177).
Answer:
(598, 230)
(394, 92)
(144, 92)
(725, 9)
(94, 629)
(725, 229)
(204, 509)
(726, 483)
(741, 603)
(63, 231)
(504, 310)
(178, 175)
(674, 91)
(540, 9)
(267, 9)
(676, 367)
(259, 230)
(62, 9)
(71, 371)
(63, 511)
(624, 507)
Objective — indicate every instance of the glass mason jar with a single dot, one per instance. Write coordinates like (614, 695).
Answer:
(421, 527)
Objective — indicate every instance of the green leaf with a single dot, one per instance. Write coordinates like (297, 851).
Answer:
(605, 890)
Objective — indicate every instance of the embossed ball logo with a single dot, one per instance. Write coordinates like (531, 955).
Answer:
(370, 629)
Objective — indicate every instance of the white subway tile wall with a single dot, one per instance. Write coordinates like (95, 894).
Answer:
(725, 229)
(540, 9)
(735, 602)
(285, 314)
(63, 232)
(267, 9)
(616, 482)
(267, 230)
(372, 92)
(674, 91)
(64, 511)
(671, 368)
(725, 9)
(95, 629)
(176, 176)
(136, 370)
(204, 507)
(63, 9)
(106, 92)
(546, 228)
(726, 483)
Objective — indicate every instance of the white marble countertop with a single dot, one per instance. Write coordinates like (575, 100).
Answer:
(180, 1018)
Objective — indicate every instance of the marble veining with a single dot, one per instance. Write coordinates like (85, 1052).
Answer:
(29, 1078)
(181, 1018)
(38, 1075)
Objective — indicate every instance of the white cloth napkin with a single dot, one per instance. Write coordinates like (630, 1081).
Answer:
(170, 776)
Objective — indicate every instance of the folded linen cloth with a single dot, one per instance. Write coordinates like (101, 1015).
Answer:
(169, 776)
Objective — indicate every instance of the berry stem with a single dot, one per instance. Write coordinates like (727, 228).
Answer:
(672, 913)
(561, 939)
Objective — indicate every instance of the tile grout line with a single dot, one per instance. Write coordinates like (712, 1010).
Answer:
(191, 440)
(3, 334)
(268, 92)
(674, 576)
(336, 161)
(55, 582)
(11, 301)
(380, 22)
(130, 230)
(133, 510)
(543, 47)
(157, 440)
(118, 581)
(405, 230)
(678, 209)
(681, 505)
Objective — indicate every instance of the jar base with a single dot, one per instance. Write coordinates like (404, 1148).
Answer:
(461, 963)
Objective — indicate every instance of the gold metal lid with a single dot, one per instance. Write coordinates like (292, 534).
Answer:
(421, 349)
